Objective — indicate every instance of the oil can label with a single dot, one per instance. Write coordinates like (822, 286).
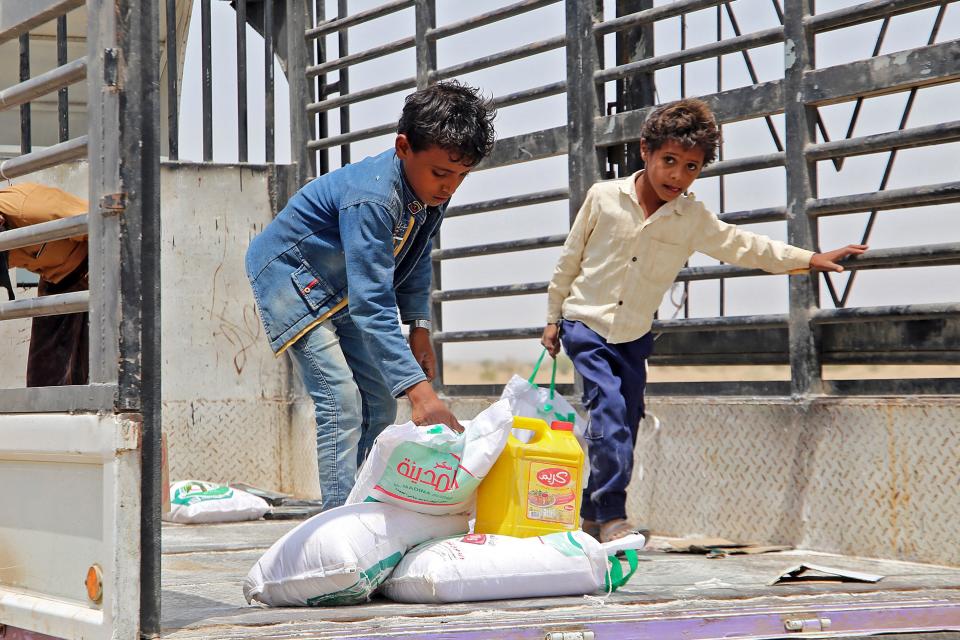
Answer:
(551, 493)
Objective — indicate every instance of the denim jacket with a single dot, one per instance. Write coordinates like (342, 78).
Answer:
(359, 231)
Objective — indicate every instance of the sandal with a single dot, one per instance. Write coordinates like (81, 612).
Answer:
(591, 528)
(616, 529)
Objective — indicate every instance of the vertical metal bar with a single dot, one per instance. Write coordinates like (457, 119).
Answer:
(243, 147)
(25, 135)
(297, 83)
(801, 120)
(343, 48)
(173, 102)
(63, 95)
(425, 19)
(139, 379)
(638, 90)
(683, 94)
(722, 193)
(323, 129)
(270, 133)
(206, 69)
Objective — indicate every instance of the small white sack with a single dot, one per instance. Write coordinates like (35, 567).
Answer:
(193, 501)
(494, 567)
(342, 555)
(433, 469)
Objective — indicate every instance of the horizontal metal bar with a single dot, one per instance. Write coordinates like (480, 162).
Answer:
(905, 139)
(711, 50)
(494, 391)
(483, 19)
(339, 24)
(893, 387)
(526, 147)
(44, 232)
(943, 193)
(532, 49)
(529, 95)
(20, 17)
(486, 335)
(45, 83)
(947, 253)
(647, 16)
(739, 165)
(923, 66)
(55, 305)
(73, 399)
(714, 272)
(890, 312)
(864, 12)
(49, 157)
(498, 291)
(720, 388)
(360, 96)
(772, 321)
(509, 202)
(544, 242)
(361, 56)
(352, 136)
(734, 105)
(755, 216)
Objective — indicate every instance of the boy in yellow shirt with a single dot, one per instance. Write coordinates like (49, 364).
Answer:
(630, 239)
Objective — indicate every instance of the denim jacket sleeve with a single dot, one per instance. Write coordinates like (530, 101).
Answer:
(366, 231)
(413, 294)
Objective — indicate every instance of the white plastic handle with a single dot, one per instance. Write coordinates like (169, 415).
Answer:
(632, 541)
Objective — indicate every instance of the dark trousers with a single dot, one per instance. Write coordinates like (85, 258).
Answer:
(59, 345)
(614, 377)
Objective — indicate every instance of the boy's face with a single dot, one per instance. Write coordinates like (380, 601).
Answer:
(432, 173)
(671, 169)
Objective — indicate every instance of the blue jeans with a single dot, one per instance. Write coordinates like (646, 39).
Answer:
(614, 378)
(351, 401)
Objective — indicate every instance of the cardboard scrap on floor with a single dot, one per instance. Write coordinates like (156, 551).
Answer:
(816, 573)
(720, 547)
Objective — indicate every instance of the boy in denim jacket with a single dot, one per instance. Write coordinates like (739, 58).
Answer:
(630, 239)
(349, 254)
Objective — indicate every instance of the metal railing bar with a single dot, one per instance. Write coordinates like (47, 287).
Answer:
(243, 144)
(510, 202)
(20, 17)
(531, 49)
(26, 135)
(739, 165)
(755, 216)
(361, 56)
(946, 253)
(353, 136)
(49, 157)
(498, 291)
(671, 10)
(484, 19)
(360, 96)
(44, 232)
(45, 83)
(341, 23)
(544, 242)
(173, 115)
(481, 335)
(865, 12)
(890, 312)
(63, 94)
(529, 95)
(893, 387)
(54, 305)
(269, 134)
(876, 143)
(711, 50)
(771, 321)
(526, 147)
(92, 397)
(942, 193)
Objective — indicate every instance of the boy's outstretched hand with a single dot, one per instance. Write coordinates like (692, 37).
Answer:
(551, 339)
(828, 260)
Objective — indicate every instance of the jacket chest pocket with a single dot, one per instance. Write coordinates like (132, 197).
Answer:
(665, 259)
(312, 288)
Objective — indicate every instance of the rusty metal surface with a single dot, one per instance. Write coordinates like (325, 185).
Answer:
(873, 477)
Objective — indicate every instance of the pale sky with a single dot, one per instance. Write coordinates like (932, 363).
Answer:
(903, 227)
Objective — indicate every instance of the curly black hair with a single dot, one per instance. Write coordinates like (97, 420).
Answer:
(452, 116)
(689, 122)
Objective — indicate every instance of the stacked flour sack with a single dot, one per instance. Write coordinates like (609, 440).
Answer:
(417, 485)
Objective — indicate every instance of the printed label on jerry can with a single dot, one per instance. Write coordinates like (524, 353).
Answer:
(550, 493)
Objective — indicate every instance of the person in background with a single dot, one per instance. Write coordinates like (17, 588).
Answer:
(59, 345)
(629, 241)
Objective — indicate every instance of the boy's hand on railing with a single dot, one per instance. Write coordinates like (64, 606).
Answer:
(551, 339)
(428, 409)
(828, 260)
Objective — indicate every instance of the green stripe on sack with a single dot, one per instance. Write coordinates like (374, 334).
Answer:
(366, 583)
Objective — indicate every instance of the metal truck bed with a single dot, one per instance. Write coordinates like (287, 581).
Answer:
(670, 596)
